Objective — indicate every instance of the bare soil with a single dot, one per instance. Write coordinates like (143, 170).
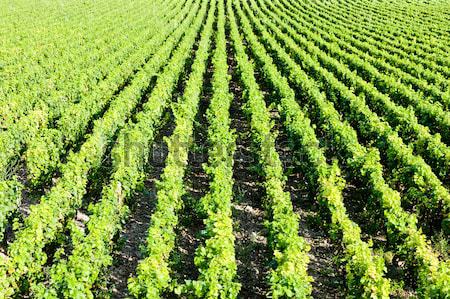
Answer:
(132, 237)
(325, 253)
(196, 182)
(252, 253)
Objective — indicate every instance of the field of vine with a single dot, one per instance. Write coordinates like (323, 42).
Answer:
(224, 149)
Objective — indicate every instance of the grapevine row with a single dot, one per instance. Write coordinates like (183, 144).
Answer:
(289, 278)
(426, 144)
(429, 114)
(423, 67)
(26, 129)
(401, 226)
(407, 72)
(153, 273)
(427, 188)
(43, 157)
(65, 75)
(26, 253)
(215, 259)
(365, 271)
(76, 276)
(409, 38)
(46, 147)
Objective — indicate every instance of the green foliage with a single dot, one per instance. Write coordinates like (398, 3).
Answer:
(428, 191)
(153, 273)
(434, 151)
(26, 253)
(402, 226)
(45, 144)
(10, 198)
(80, 78)
(215, 259)
(289, 277)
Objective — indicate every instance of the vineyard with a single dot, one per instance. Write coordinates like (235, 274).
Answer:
(224, 149)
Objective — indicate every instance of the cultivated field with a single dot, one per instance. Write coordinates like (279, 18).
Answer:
(224, 149)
